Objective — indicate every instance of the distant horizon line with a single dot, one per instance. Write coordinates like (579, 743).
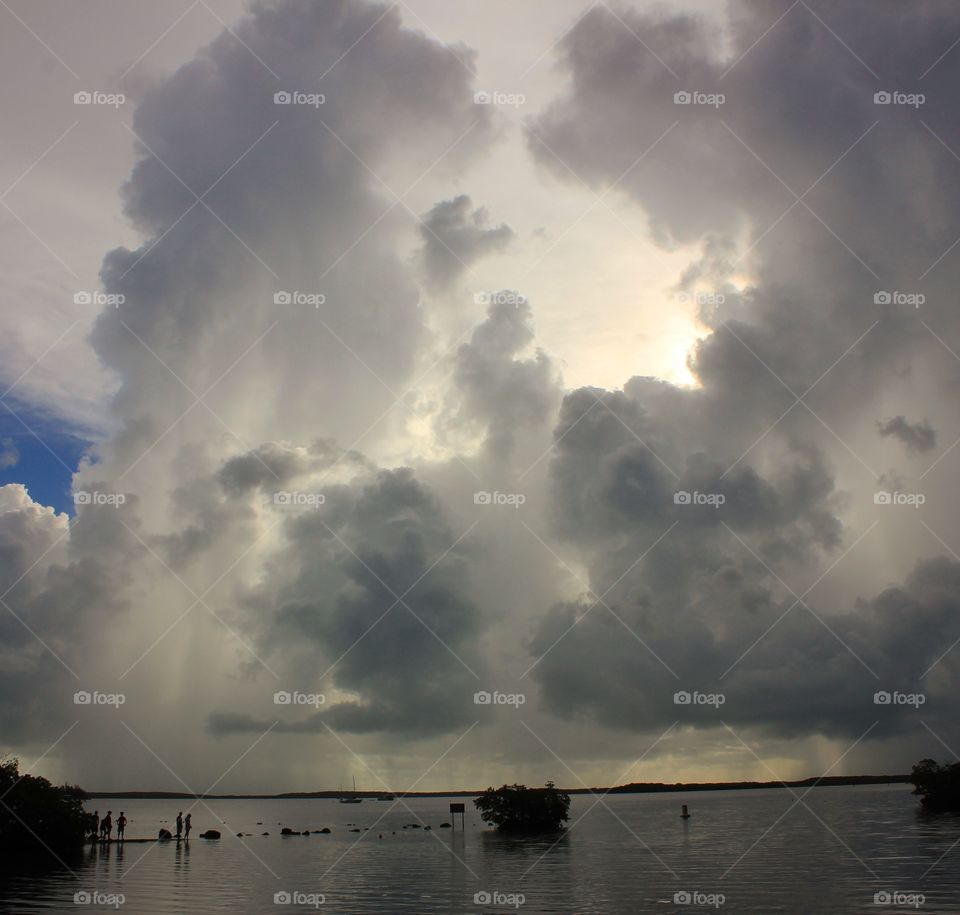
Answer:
(629, 788)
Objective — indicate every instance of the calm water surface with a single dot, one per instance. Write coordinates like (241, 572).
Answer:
(741, 851)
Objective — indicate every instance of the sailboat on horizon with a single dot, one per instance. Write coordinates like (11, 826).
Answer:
(344, 799)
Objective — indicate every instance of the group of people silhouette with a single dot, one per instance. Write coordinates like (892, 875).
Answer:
(102, 830)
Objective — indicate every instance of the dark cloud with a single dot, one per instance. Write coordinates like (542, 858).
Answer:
(693, 512)
(805, 675)
(273, 465)
(455, 237)
(369, 598)
(500, 388)
(917, 437)
(797, 357)
(224, 374)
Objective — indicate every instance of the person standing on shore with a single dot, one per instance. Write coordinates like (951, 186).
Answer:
(179, 824)
(106, 827)
(121, 826)
(95, 823)
(186, 827)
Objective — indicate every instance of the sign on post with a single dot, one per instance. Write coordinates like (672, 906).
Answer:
(455, 809)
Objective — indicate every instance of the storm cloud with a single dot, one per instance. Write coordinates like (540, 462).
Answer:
(328, 474)
(798, 196)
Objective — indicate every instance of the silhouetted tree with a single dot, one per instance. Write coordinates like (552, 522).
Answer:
(517, 808)
(38, 817)
(938, 786)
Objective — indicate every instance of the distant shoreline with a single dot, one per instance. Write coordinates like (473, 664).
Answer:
(633, 788)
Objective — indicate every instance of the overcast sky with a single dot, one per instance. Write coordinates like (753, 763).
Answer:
(448, 394)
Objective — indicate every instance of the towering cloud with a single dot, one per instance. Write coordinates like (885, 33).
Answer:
(498, 387)
(269, 324)
(320, 483)
(784, 163)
